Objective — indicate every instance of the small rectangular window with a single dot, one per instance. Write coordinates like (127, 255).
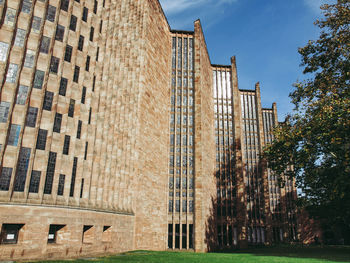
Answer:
(59, 33)
(86, 150)
(41, 139)
(57, 122)
(50, 172)
(95, 6)
(9, 233)
(29, 59)
(63, 86)
(83, 95)
(64, 5)
(36, 24)
(4, 111)
(68, 53)
(81, 43)
(71, 108)
(66, 144)
(73, 23)
(10, 16)
(79, 129)
(31, 117)
(54, 64)
(85, 14)
(87, 64)
(74, 172)
(14, 134)
(48, 100)
(51, 13)
(5, 178)
(26, 6)
(22, 169)
(60, 188)
(22, 95)
(34, 182)
(39, 79)
(76, 74)
(92, 33)
(12, 73)
(20, 36)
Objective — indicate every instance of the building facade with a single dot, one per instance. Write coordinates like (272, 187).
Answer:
(117, 133)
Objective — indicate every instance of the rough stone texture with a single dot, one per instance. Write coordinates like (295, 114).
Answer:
(205, 184)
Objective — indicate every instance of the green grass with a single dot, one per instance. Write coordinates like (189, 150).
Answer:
(256, 255)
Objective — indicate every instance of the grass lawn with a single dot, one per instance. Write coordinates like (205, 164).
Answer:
(256, 255)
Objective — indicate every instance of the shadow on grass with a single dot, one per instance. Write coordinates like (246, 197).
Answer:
(332, 253)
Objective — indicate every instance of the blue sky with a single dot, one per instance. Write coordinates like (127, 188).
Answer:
(264, 35)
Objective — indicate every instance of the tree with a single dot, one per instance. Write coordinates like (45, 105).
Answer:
(315, 139)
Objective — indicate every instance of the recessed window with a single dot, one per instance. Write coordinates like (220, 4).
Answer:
(3, 51)
(73, 23)
(22, 95)
(41, 139)
(50, 172)
(59, 33)
(54, 233)
(48, 100)
(29, 60)
(86, 149)
(20, 36)
(68, 53)
(60, 188)
(97, 53)
(31, 116)
(89, 121)
(14, 134)
(9, 233)
(66, 144)
(93, 83)
(74, 173)
(107, 234)
(71, 108)
(76, 74)
(81, 188)
(51, 13)
(95, 6)
(22, 169)
(26, 6)
(54, 64)
(64, 5)
(36, 24)
(92, 33)
(4, 111)
(10, 16)
(57, 122)
(45, 45)
(85, 14)
(39, 79)
(83, 95)
(12, 73)
(88, 234)
(34, 182)
(63, 86)
(79, 129)
(87, 65)
(5, 178)
(81, 43)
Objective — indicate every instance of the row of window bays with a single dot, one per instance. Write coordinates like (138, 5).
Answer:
(11, 233)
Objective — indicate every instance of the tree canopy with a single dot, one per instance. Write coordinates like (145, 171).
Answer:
(315, 138)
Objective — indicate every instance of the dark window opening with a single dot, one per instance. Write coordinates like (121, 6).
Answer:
(95, 6)
(85, 14)
(57, 122)
(54, 232)
(63, 86)
(88, 234)
(9, 233)
(79, 129)
(54, 64)
(45, 45)
(41, 139)
(170, 236)
(48, 100)
(86, 149)
(177, 235)
(101, 24)
(81, 43)
(92, 33)
(60, 188)
(68, 53)
(81, 188)
(51, 13)
(22, 169)
(76, 74)
(31, 117)
(89, 122)
(50, 172)
(190, 235)
(87, 64)
(64, 5)
(184, 236)
(83, 95)
(59, 33)
(74, 172)
(71, 108)
(93, 83)
(73, 23)
(5, 178)
(66, 144)
(39, 79)
(34, 182)
(97, 53)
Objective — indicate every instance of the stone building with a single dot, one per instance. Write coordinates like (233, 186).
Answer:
(110, 123)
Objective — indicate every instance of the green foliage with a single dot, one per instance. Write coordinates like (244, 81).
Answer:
(315, 140)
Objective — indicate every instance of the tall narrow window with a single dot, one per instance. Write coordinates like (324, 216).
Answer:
(92, 33)
(81, 188)
(71, 108)
(85, 14)
(66, 144)
(20, 36)
(89, 121)
(101, 24)
(14, 134)
(76, 74)
(12, 73)
(41, 139)
(4, 111)
(60, 188)
(45, 44)
(177, 236)
(34, 182)
(9, 233)
(86, 149)
(31, 117)
(26, 6)
(54, 64)
(57, 122)
(83, 95)
(51, 13)
(64, 5)
(63, 86)
(36, 24)
(74, 172)
(59, 33)
(87, 64)
(50, 172)
(97, 53)
(68, 53)
(79, 129)
(29, 59)
(95, 6)
(48, 100)
(22, 168)
(5, 178)
(93, 83)
(39, 79)
(73, 23)
(81, 43)
(10, 16)
(170, 236)
(22, 95)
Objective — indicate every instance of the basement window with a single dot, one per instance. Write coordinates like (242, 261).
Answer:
(107, 234)
(54, 232)
(88, 234)
(9, 233)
